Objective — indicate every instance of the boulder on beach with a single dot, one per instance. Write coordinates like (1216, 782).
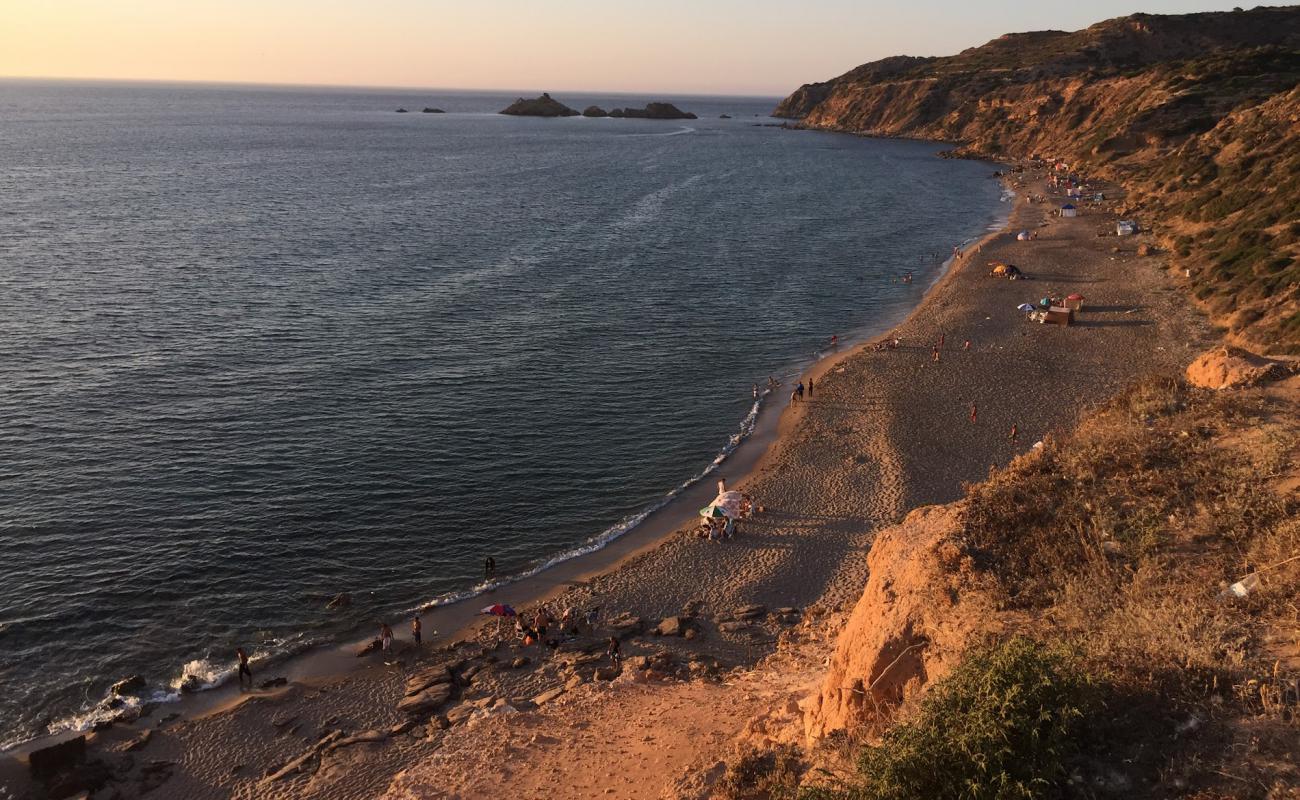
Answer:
(128, 685)
(670, 626)
(594, 111)
(425, 702)
(401, 111)
(433, 111)
(544, 106)
(372, 646)
(340, 600)
(47, 762)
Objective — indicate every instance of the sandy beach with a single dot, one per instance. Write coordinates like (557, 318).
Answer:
(884, 432)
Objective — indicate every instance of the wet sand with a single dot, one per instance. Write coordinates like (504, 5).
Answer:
(884, 432)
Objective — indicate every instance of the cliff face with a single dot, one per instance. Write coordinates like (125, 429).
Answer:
(911, 626)
(1197, 115)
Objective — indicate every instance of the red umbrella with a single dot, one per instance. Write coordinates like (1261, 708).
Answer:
(500, 610)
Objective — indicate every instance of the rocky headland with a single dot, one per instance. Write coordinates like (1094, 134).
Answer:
(1195, 115)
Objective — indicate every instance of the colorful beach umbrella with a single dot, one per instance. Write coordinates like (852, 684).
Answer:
(1025, 307)
(500, 610)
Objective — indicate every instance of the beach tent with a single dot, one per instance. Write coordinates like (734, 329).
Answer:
(728, 504)
(1023, 236)
(1125, 227)
(1025, 307)
(1069, 210)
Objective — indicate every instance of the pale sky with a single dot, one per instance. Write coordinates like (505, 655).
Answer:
(688, 46)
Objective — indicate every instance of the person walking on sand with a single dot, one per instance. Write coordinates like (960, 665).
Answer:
(974, 412)
(965, 345)
(612, 650)
(385, 637)
(934, 355)
(1015, 434)
(244, 671)
(942, 336)
(799, 390)
(416, 630)
(810, 387)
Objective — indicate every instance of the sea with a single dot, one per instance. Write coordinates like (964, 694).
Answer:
(260, 346)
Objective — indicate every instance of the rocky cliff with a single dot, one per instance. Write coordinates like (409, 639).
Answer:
(1197, 115)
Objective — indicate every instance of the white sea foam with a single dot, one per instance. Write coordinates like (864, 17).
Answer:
(618, 529)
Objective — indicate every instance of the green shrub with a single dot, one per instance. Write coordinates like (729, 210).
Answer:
(1001, 726)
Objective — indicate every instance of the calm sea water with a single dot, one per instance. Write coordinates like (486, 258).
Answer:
(261, 346)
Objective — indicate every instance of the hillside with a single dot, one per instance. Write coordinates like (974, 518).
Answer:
(1196, 115)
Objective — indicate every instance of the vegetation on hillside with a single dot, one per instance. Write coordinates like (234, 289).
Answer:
(1132, 670)
(1198, 115)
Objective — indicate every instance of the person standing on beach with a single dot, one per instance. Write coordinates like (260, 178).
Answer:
(942, 337)
(934, 354)
(385, 637)
(810, 387)
(974, 412)
(965, 345)
(415, 630)
(613, 649)
(1015, 434)
(244, 671)
(799, 390)
(756, 391)
(794, 398)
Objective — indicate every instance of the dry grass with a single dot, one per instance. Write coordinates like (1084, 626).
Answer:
(1117, 543)
(1120, 540)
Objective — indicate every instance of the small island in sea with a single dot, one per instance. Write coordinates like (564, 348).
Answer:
(544, 106)
(547, 106)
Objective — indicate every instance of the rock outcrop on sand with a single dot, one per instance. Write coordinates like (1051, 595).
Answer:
(653, 111)
(1196, 114)
(544, 106)
(911, 625)
(594, 111)
(1232, 368)
(432, 110)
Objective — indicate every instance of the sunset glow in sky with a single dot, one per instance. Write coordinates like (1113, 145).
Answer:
(703, 46)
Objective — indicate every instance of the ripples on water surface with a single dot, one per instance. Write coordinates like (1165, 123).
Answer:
(259, 347)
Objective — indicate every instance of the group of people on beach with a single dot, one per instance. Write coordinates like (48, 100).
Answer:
(545, 629)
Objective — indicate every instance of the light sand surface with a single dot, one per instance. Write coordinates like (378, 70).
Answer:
(884, 432)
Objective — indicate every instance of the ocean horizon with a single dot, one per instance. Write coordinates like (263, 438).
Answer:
(266, 345)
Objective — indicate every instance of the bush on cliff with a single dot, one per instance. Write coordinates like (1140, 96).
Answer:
(1003, 725)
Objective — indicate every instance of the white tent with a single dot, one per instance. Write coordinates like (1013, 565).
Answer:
(727, 504)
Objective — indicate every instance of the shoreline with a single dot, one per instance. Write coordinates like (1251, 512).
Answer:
(457, 619)
(877, 440)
